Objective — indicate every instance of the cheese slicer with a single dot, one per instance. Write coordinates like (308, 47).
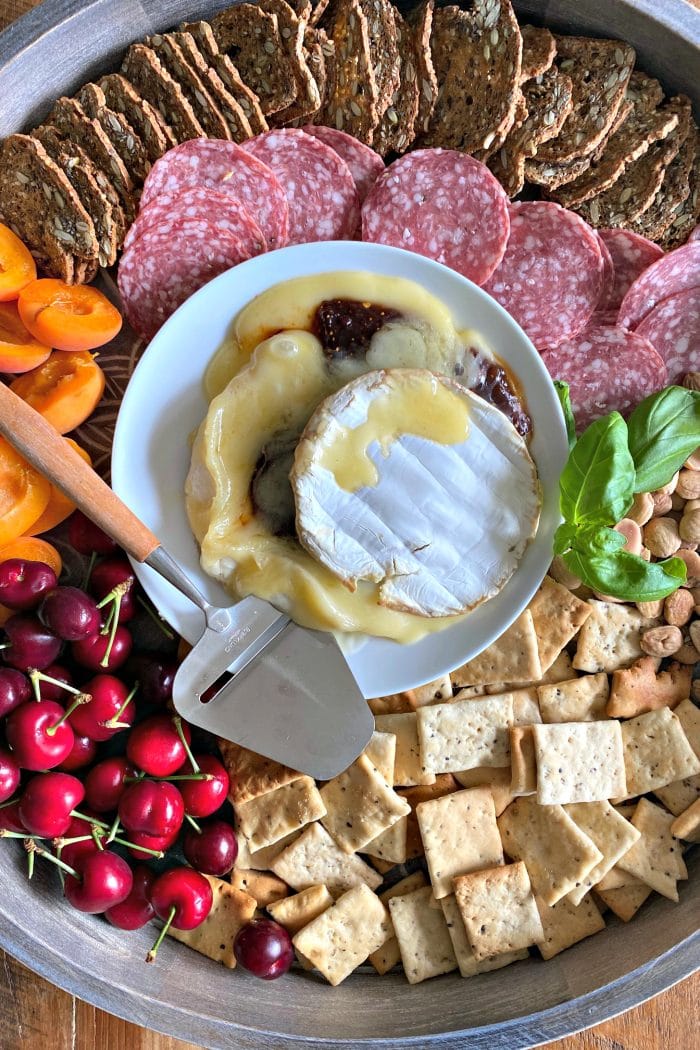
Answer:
(290, 695)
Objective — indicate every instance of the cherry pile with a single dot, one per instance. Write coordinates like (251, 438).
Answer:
(98, 774)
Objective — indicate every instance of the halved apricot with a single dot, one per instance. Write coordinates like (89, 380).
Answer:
(68, 316)
(24, 493)
(65, 389)
(58, 508)
(19, 350)
(17, 267)
(29, 548)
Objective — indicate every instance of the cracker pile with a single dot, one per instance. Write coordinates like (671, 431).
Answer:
(502, 808)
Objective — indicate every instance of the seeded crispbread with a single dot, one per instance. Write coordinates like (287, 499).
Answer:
(383, 49)
(496, 779)
(687, 824)
(84, 178)
(460, 834)
(498, 909)
(143, 69)
(228, 74)
(687, 216)
(657, 752)
(359, 805)
(445, 784)
(582, 699)
(579, 762)
(557, 616)
(557, 854)
(396, 128)
(477, 56)
(657, 857)
(291, 29)
(514, 658)
(468, 965)
(231, 909)
(523, 761)
(352, 98)
(173, 60)
(465, 734)
(422, 935)
(251, 774)
(253, 39)
(264, 887)
(318, 9)
(625, 902)
(609, 831)
(390, 845)
(315, 859)
(386, 957)
(610, 638)
(236, 121)
(301, 908)
(673, 191)
(268, 818)
(316, 46)
(38, 202)
(342, 937)
(143, 117)
(420, 21)
(408, 766)
(566, 923)
(600, 71)
(539, 50)
(513, 125)
(641, 688)
(120, 133)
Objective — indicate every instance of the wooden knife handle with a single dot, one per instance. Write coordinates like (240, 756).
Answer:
(53, 457)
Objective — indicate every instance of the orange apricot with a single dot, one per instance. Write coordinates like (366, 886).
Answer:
(24, 493)
(68, 316)
(19, 351)
(29, 548)
(17, 267)
(65, 389)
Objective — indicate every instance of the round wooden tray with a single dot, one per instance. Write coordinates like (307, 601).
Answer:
(52, 51)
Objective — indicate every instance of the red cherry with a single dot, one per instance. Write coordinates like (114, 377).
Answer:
(88, 538)
(22, 583)
(105, 880)
(90, 652)
(155, 676)
(70, 613)
(15, 689)
(46, 803)
(213, 849)
(9, 775)
(83, 752)
(31, 644)
(136, 909)
(106, 714)
(10, 819)
(104, 784)
(204, 797)
(155, 747)
(37, 739)
(264, 948)
(159, 843)
(183, 899)
(112, 573)
(153, 807)
(49, 690)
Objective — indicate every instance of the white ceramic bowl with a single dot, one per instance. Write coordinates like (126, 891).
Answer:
(165, 402)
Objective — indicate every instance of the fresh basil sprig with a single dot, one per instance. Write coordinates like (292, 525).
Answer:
(610, 462)
(562, 390)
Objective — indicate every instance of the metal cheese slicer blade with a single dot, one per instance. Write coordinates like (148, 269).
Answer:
(288, 694)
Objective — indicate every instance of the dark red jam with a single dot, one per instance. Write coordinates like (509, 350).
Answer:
(345, 326)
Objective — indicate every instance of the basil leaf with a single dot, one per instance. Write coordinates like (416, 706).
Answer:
(562, 390)
(598, 541)
(663, 431)
(564, 538)
(627, 576)
(597, 484)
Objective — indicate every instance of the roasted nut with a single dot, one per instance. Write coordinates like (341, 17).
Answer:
(677, 502)
(642, 509)
(694, 632)
(692, 504)
(692, 561)
(662, 501)
(686, 545)
(678, 607)
(651, 609)
(689, 526)
(695, 591)
(661, 536)
(632, 533)
(691, 380)
(559, 572)
(687, 654)
(689, 484)
(661, 641)
(669, 488)
(695, 690)
(693, 462)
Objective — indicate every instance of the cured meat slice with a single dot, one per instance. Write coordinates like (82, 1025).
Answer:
(163, 267)
(606, 368)
(695, 235)
(631, 255)
(442, 204)
(551, 276)
(673, 329)
(321, 194)
(227, 168)
(221, 209)
(365, 165)
(603, 308)
(675, 273)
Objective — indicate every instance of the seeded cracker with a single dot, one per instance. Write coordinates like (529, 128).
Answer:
(360, 805)
(420, 20)
(497, 780)
(424, 940)
(477, 57)
(341, 938)
(319, 66)
(657, 857)
(687, 216)
(640, 688)
(270, 817)
(386, 957)
(513, 658)
(523, 761)
(291, 29)
(567, 923)
(261, 859)
(251, 774)
(143, 69)
(433, 692)
(687, 824)
(610, 638)
(315, 859)
(251, 38)
(352, 102)
(383, 49)
(396, 129)
(579, 762)
(238, 126)
(302, 908)
(680, 794)
(539, 50)
(657, 752)
(214, 937)
(468, 965)
(625, 902)
(557, 615)
(445, 784)
(264, 887)
(228, 74)
(186, 77)
(381, 751)
(460, 835)
(143, 117)
(117, 129)
(609, 831)
(390, 845)
(38, 202)
(465, 734)
(581, 699)
(671, 195)
(408, 768)
(498, 910)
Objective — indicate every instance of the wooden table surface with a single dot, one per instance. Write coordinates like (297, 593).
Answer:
(35, 1015)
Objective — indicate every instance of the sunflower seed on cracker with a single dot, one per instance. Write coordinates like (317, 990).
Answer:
(352, 100)
(291, 29)
(396, 129)
(319, 54)
(420, 20)
(539, 49)
(671, 195)
(383, 49)
(228, 74)
(142, 67)
(687, 216)
(251, 37)
(172, 58)
(143, 117)
(120, 133)
(237, 123)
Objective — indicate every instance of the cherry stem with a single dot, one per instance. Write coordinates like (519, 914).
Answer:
(89, 820)
(115, 596)
(30, 863)
(95, 835)
(60, 842)
(177, 722)
(113, 722)
(179, 776)
(133, 845)
(36, 677)
(194, 823)
(155, 616)
(31, 847)
(159, 940)
(10, 802)
(81, 698)
(113, 831)
(4, 834)
(88, 571)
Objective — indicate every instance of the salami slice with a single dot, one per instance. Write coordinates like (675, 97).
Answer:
(677, 272)
(365, 165)
(551, 276)
(695, 235)
(673, 329)
(631, 255)
(606, 368)
(226, 168)
(162, 268)
(168, 210)
(442, 204)
(603, 309)
(321, 194)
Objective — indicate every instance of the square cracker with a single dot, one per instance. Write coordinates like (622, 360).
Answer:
(557, 615)
(408, 768)
(342, 937)
(688, 714)
(435, 692)
(268, 818)
(264, 887)
(381, 751)
(445, 784)
(468, 965)
(498, 910)
(657, 751)
(526, 706)
(557, 853)
(579, 762)
(261, 859)
(250, 774)
(687, 824)
(523, 761)
(626, 901)
(566, 923)
(465, 734)
(615, 879)
(496, 779)
(315, 859)
(610, 637)
(387, 957)
(302, 908)
(359, 805)
(514, 658)
(680, 794)
(231, 909)
(581, 699)
(424, 940)
(460, 834)
(657, 857)
(611, 833)
(390, 845)
(395, 704)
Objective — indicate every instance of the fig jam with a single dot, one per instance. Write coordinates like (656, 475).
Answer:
(494, 386)
(345, 326)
